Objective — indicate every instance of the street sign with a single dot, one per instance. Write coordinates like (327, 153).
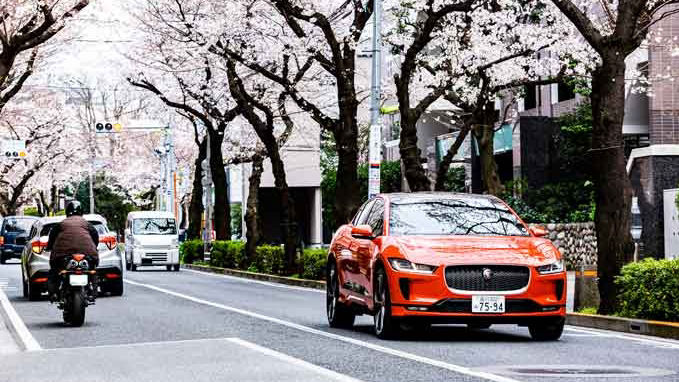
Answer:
(375, 159)
(14, 149)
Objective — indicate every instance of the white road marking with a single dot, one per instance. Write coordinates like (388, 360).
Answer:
(647, 340)
(382, 349)
(241, 279)
(295, 361)
(19, 329)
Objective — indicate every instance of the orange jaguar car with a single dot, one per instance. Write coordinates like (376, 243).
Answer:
(412, 260)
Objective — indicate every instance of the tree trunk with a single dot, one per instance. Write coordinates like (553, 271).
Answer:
(222, 205)
(251, 213)
(196, 207)
(485, 134)
(347, 198)
(411, 155)
(447, 160)
(613, 187)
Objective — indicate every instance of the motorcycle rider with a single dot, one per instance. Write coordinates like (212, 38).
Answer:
(74, 235)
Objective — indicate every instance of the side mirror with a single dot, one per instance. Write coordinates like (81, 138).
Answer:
(538, 231)
(362, 232)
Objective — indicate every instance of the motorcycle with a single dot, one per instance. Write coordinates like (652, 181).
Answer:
(77, 288)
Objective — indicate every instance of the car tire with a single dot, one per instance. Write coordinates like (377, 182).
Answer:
(2, 259)
(386, 326)
(169, 268)
(116, 287)
(339, 315)
(128, 266)
(24, 286)
(133, 267)
(176, 267)
(547, 331)
(478, 326)
(34, 292)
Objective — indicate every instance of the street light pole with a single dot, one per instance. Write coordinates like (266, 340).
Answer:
(207, 233)
(375, 153)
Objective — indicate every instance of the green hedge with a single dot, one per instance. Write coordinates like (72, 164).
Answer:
(650, 289)
(190, 251)
(268, 258)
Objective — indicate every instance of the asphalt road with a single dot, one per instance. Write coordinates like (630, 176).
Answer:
(190, 326)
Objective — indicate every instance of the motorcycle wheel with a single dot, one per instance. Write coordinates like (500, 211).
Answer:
(74, 309)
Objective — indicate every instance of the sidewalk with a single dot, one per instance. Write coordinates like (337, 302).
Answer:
(8, 344)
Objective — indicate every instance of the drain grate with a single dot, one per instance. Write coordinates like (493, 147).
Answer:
(577, 371)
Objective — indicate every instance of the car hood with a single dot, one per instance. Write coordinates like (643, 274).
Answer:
(451, 250)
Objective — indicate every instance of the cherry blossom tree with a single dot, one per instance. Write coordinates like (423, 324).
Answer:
(614, 30)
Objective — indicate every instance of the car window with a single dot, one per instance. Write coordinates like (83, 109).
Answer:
(363, 217)
(376, 217)
(99, 226)
(17, 225)
(472, 216)
(154, 226)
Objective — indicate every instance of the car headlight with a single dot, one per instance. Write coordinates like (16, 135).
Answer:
(556, 267)
(403, 265)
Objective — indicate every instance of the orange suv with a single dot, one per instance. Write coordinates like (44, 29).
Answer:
(412, 260)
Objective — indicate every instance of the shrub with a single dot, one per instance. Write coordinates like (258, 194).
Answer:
(32, 211)
(313, 262)
(228, 254)
(650, 289)
(190, 251)
(268, 259)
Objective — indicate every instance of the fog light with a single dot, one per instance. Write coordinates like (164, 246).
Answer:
(417, 308)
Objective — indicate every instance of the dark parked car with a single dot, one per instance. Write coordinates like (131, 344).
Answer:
(13, 236)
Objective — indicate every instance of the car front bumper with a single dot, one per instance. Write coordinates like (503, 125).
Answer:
(429, 297)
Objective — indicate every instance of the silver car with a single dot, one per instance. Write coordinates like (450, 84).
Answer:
(35, 258)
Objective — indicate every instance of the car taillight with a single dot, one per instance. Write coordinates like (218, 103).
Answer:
(2, 240)
(38, 246)
(110, 241)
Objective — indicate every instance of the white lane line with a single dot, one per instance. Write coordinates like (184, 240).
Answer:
(241, 279)
(137, 344)
(661, 343)
(18, 328)
(294, 361)
(382, 349)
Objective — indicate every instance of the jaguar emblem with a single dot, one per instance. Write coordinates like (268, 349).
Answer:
(487, 274)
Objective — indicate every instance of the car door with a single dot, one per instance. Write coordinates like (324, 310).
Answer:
(368, 248)
(348, 252)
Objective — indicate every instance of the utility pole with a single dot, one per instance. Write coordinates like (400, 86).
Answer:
(207, 183)
(91, 174)
(375, 154)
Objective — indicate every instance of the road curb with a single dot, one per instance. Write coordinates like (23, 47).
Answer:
(617, 324)
(313, 284)
(22, 336)
(626, 325)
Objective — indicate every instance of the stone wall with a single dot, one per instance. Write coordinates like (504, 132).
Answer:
(576, 242)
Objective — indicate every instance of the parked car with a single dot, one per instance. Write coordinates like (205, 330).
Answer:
(412, 260)
(151, 239)
(13, 236)
(35, 258)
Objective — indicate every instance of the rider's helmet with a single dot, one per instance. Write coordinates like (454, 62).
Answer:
(74, 208)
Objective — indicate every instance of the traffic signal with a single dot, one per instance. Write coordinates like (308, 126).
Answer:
(13, 149)
(108, 128)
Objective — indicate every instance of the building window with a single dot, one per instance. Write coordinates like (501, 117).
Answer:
(565, 92)
(530, 98)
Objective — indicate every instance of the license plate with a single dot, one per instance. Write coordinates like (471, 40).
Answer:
(77, 280)
(488, 304)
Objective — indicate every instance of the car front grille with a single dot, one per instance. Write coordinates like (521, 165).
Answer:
(502, 278)
(157, 257)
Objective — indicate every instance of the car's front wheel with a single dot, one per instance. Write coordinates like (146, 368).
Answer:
(3, 260)
(386, 326)
(339, 315)
(547, 331)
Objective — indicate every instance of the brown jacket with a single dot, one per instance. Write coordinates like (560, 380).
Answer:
(74, 235)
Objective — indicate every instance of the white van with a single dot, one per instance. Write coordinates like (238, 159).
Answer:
(151, 239)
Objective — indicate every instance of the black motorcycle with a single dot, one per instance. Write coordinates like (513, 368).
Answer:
(77, 288)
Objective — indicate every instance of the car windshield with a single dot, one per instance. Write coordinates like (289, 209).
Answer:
(482, 217)
(154, 226)
(17, 225)
(99, 226)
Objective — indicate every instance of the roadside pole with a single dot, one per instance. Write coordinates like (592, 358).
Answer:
(375, 145)
(91, 174)
(207, 183)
